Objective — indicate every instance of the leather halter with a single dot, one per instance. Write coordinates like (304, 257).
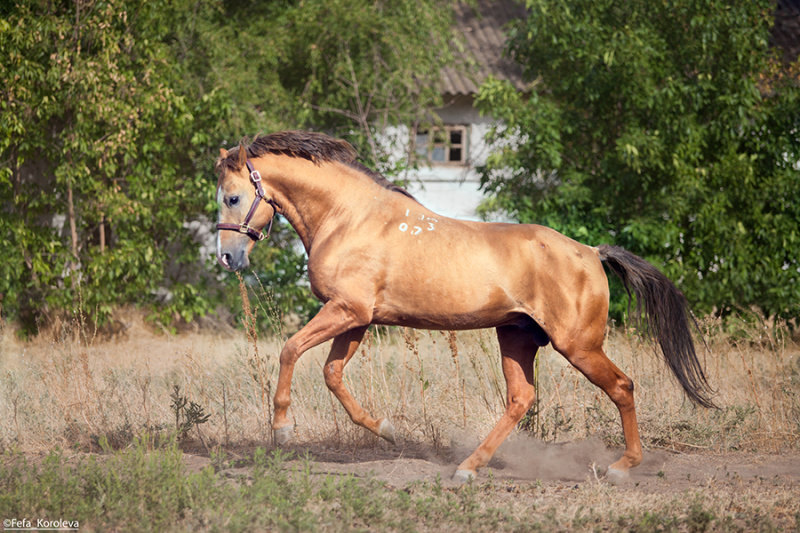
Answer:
(244, 227)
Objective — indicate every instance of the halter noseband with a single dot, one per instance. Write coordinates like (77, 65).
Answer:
(244, 227)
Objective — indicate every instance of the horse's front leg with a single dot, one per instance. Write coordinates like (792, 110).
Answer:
(332, 320)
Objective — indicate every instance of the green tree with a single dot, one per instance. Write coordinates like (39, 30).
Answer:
(353, 68)
(658, 126)
(111, 114)
(100, 168)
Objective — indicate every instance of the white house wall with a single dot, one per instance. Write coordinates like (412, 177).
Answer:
(448, 189)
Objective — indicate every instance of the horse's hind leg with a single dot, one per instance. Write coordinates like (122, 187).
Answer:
(595, 365)
(518, 348)
(342, 349)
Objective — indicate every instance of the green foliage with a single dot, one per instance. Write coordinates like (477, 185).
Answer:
(100, 168)
(280, 280)
(140, 488)
(662, 127)
(111, 114)
(144, 488)
(358, 69)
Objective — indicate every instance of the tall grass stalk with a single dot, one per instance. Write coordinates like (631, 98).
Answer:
(260, 372)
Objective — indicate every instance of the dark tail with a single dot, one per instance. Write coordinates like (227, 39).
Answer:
(666, 317)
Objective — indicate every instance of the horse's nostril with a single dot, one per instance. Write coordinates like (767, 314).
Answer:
(226, 259)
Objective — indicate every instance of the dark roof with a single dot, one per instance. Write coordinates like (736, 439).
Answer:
(786, 32)
(482, 25)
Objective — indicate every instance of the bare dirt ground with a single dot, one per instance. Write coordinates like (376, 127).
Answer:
(524, 460)
(560, 487)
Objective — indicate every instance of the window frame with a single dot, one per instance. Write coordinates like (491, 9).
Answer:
(447, 145)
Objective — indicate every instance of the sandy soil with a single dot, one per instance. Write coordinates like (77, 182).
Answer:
(523, 460)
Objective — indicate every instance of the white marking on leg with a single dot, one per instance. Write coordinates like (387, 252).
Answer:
(464, 476)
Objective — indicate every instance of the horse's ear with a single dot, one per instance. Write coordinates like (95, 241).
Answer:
(242, 155)
(223, 153)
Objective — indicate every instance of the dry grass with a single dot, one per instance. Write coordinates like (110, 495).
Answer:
(73, 390)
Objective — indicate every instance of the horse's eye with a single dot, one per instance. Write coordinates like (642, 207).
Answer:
(233, 201)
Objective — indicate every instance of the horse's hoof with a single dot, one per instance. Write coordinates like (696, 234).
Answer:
(616, 476)
(386, 430)
(282, 435)
(464, 476)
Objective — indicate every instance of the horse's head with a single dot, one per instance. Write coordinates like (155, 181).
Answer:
(244, 209)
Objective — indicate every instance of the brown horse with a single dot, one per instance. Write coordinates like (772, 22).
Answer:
(376, 256)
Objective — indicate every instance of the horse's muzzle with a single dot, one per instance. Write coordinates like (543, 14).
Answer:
(234, 262)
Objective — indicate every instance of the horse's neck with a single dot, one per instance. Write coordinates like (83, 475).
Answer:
(317, 199)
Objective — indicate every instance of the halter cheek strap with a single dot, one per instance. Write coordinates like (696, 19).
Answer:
(244, 227)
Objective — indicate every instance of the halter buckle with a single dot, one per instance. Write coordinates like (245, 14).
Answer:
(255, 175)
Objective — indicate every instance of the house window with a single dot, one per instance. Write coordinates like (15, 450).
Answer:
(442, 146)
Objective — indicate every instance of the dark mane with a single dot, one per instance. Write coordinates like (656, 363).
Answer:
(315, 147)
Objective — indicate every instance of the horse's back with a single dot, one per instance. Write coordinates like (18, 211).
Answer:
(435, 272)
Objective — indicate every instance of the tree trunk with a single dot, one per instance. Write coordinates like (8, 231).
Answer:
(72, 226)
(102, 233)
